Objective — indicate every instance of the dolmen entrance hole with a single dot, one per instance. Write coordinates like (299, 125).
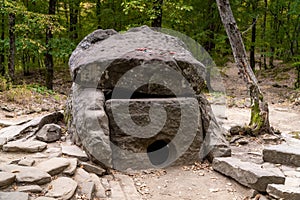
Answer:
(158, 152)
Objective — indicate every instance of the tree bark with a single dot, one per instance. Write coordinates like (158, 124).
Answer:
(48, 57)
(259, 122)
(253, 38)
(12, 45)
(263, 36)
(98, 13)
(74, 12)
(157, 7)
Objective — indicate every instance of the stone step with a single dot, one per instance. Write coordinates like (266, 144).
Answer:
(248, 174)
(287, 192)
(282, 154)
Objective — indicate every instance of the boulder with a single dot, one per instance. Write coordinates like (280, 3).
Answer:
(49, 133)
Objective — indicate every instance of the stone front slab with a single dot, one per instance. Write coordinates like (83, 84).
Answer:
(168, 130)
(284, 192)
(25, 146)
(248, 174)
(282, 154)
(54, 166)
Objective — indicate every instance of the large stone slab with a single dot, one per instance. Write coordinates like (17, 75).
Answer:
(147, 133)
(63, 188)
(6, 179)
(284, 191)
(54, 166)
(282, 154)
(30, 175)
(14, 196)
(74, 151)
(248, 174)
(30, 146)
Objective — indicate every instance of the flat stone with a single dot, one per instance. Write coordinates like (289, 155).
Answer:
(26, 162)
(128, 187)
(74, 151)
(6, 179)
(54, 166)
(45, 198)
(292, 173)
(248, 174)
(70, 170)
(49, 133)
(284, 192)
(62, 188)
(6, 123)
(30, 188)
(293, 182)
(3, 141)
(30, 175)
(14, 196)
(116, 191)
(92, 168)
(25, 146)
(282, 154)
(99, 189)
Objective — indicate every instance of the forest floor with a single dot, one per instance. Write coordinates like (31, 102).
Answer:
(197, 181)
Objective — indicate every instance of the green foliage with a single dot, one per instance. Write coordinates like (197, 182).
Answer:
(4, 85)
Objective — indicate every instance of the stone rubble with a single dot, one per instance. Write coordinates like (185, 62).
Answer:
(25, 146)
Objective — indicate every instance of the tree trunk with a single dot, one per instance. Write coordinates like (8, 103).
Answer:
(157, 7)
(259, 122)
(253, 38)
(2, 52)
(48, 56)
(98, 13)
(263, 36)
(74, 12)
(12, 45)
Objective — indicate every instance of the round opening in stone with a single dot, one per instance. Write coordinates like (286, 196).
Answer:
(158, 152)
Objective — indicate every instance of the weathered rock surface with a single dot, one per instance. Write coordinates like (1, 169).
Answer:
(30, 146)
(282, 154)
(30, 188)
(176, 122)
(62, 188)
(26, 162)
(99, 189)
(44, 198)
(93, 169)
(54, 166)
(74, 151)
(6, 179)
(70, 170)
(128, 187)
(13, 132)
(49, 133)
(3, 141)
(14, 196)
(284, 191)
(30, 175)
(86, 186)
(248, 174)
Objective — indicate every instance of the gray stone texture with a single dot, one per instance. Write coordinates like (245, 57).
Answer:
(74, 151)
(54, 166)
(282, 154)
(6, 179)
(30, 146)
(49, 133)
(284, 191)
(14, 196)
(63, 188)
(248, 174)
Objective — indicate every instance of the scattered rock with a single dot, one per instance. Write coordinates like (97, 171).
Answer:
(292, 182)
(282, 154)
(6, 179)
(3, 141)
(14, 196)
(25, 146)
(30, 188)
(70, 170)
(62, 188)
(26, 162)
(45, 198)
(116, 191)
(49, 133)
(99, 189)
(74, 151)
(93, 169)
(284, 192)
(54, 166)
(248, 174)
(30, 175)
(6, 123)
(128, 187)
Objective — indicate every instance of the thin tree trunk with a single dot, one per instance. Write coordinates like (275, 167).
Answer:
(263, 36)
(259, 109)
(48, 57)
(157, 22)
(12, 45)
(2, 51)
(74, 12)
(253, 38)
(98, 13)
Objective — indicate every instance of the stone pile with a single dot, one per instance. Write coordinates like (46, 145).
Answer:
(278, 174)
(53, 168)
